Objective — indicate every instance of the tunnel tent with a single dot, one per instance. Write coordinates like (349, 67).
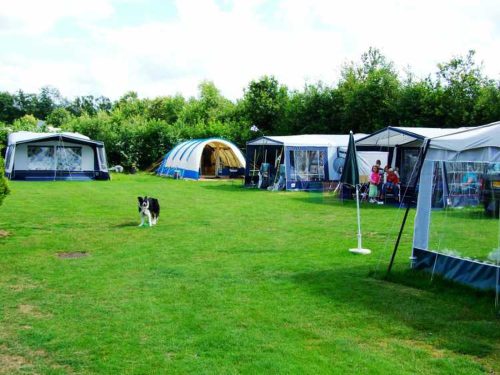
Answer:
(203, 158)
(54, 156)
(301, 162)
(435, 244)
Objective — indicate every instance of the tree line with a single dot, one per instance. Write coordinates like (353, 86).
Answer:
(369, 95)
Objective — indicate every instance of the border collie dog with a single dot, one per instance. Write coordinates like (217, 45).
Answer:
(149, 208)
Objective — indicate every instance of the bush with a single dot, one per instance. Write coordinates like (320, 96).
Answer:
(4, 187)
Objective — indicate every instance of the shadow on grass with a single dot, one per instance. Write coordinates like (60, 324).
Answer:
(126, 224)
(445, 314)
(330, 200)
(236, 187)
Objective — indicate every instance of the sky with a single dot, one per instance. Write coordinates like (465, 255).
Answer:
(163, 47)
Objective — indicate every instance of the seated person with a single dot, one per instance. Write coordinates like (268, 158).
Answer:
(391, 184)
(396, 171)
(470, 181)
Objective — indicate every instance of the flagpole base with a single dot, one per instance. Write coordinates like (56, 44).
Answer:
(360, 251)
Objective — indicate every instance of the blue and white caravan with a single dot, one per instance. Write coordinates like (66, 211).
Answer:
(203, 158)
(296, 162)
(54, 156)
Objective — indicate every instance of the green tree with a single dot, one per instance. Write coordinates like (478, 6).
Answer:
(27, 122)
(417, 103)
(265, 101)
(25, 103)
(317, 109)
(8, 110)
(4, 187)
(166, 108)
(461, 80)
(487, 105)
(369, 91)
(47, 100)
(58, 117)
(129, 105)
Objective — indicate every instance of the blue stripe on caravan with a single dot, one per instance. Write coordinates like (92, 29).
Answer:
(180, 147)
(191, 147)
(190, 174)
(184, 173)
(194, 148)
(176, 148)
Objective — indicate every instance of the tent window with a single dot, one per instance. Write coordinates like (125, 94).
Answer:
(40, 158)
(102, 159)
(8, 157)
(307, 165)
(467, 195)
(69, 158)
(408, 170)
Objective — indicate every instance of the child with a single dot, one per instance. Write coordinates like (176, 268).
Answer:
(374, 182)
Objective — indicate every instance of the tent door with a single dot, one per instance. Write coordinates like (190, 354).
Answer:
(208, 162)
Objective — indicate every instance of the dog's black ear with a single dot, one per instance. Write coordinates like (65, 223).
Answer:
(139, 199)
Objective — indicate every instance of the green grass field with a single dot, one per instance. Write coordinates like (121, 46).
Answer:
(230, 281)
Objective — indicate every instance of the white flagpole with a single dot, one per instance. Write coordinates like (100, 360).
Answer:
(360, 249)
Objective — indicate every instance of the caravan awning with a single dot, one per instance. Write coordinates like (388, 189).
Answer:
(473, 144)
(26, 137)
(317, 140)
(395, 136)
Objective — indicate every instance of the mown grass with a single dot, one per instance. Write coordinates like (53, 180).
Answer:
(230, 281)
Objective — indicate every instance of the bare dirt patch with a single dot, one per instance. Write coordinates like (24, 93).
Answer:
(31, 310)
(73, 255)
(10, 363)
(22, 285)
(4, 233)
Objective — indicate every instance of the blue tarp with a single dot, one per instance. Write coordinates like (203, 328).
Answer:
(470, 272)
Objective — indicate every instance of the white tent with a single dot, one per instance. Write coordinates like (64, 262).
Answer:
(212, 157)
(401, 146)
(392, 136)
(481, 146)
(54, 156)
(307, 160)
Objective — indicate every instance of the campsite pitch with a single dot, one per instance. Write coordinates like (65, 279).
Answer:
(229, 281)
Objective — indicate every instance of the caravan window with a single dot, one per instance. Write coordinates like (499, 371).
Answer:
(40, 158)
(307, 165)
(69, 158)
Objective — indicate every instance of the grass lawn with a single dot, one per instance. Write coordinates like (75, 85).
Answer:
(229, 281)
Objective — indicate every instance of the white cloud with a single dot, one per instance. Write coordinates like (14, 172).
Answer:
(298, 42)
(33, 17)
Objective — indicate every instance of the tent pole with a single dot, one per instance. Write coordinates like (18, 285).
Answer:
(417, 177)
(359, 217)
(397, 241)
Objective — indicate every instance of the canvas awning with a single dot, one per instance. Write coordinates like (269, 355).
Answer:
(395, 136)
(26, 137)
(317, 140)
(473, 144)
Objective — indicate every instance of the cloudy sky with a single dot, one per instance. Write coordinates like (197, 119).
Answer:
(162, 47)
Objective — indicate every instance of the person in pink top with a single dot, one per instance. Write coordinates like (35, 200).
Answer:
(374, 182)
